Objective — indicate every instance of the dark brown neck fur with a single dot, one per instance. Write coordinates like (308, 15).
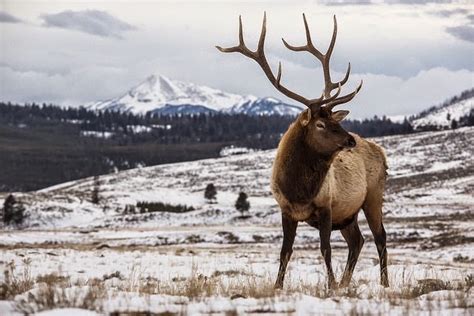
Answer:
(301, 169)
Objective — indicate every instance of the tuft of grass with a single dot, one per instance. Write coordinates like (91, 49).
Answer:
(425, 286)
(54, 279)
(469, 281)
(16, 282)
(51, 296)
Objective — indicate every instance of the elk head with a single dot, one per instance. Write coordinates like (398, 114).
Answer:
(322, 129)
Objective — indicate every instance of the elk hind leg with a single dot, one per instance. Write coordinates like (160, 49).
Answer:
(355, 241)
(373, 212)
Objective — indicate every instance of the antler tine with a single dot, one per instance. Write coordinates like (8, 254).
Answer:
(346, 77)
(328, 56)
(241, 48)
(263, 33)
(345, 98)
(279, 74)
(309, 47)
(333, 39)
(241, 33)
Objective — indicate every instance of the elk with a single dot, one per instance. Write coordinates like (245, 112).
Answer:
(323, 175)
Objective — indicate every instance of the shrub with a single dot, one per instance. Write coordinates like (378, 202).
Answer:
(13, 211)
(151, 207)
(242, 205)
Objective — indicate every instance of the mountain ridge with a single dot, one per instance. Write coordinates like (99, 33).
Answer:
(158, 94)
(442, 116)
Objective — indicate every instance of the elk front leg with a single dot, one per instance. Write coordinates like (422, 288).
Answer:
(289, 232)
(325, 228)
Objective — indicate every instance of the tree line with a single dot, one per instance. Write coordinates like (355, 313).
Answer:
(43, 145)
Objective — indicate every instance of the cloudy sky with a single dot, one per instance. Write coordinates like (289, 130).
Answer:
(411, 54)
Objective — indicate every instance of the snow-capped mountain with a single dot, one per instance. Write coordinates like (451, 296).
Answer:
(159, 94)
(266, 106)
(443, 115)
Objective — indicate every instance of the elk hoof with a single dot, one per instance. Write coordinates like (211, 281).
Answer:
(332, 285)
(344, 283)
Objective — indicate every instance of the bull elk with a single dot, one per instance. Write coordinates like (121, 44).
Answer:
(323, 175)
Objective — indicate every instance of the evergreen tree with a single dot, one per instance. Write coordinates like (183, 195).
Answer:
(242, 205)
(95, 191)
(454, 124)
(13, 211)
(210, 193)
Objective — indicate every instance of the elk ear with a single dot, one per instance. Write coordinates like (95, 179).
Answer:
(339, 115)
(305, 117)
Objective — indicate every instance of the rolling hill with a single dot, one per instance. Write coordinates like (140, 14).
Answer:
(429, 173)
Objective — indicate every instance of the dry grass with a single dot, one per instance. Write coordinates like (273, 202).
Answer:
(16, 282)
(58, 291)
(48, 296)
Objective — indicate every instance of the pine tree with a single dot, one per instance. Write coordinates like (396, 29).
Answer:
(454, 124)
(210, 193)
(13, 211)
(95, 191)
(242, 205)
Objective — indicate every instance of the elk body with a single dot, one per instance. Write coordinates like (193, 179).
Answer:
(323, 175)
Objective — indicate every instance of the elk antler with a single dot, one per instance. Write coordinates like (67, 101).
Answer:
(259, 57)
(324, 59)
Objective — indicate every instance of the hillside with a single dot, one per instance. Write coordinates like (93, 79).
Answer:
(429, 173)
(442, 116)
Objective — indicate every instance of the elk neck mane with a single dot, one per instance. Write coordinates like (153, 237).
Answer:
(300, 169)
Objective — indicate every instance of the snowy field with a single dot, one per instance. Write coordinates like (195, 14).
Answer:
(104, 258)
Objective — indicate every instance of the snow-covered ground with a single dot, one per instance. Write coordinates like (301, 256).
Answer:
(212, 260)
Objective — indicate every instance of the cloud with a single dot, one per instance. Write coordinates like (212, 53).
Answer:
(72, 88)
(470, 17)
(345, 2)
(368, 2)
(464, 32)
(8, 18)
(95, 22)
(449, 12)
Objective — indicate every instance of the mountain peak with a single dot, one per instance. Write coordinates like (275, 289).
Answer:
(158, 93)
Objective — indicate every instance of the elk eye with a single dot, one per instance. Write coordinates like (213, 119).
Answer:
(320, 125)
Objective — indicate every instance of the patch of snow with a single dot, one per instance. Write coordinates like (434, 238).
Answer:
(233, 150)
(97, 134)
(137, 129)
